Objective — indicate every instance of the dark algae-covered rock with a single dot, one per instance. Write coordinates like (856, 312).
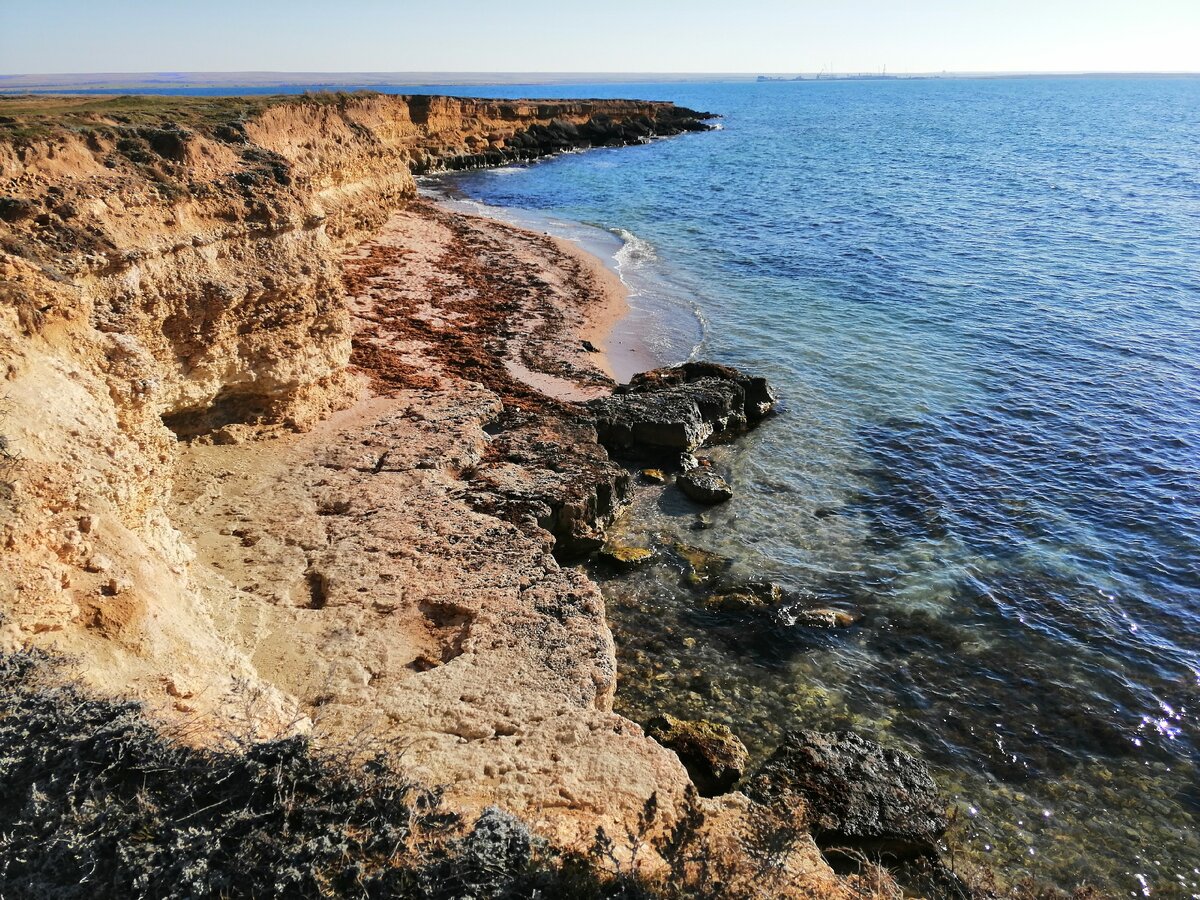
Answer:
(713, 755)
(624, 557)
(854, 793)
(704, 486)
(676, 410)
(745, 596)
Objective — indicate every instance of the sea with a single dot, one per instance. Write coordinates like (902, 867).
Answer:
(979, 303)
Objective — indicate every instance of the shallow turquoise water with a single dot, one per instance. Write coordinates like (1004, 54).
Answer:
(980, 301)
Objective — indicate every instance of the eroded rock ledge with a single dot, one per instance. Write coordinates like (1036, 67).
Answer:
(679, 409)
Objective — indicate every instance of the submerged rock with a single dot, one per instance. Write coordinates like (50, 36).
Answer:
(680, 408)
(702, 565)
(704, 486)
(624, 557)
(747, 596)
(713, 755)
(823, 618)
(854, 793)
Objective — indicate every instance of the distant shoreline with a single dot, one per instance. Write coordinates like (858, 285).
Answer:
(154, 82)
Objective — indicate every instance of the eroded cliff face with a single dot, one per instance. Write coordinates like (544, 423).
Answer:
(172, 272)
(213, 244)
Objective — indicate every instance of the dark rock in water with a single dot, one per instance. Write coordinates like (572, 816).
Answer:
(757, 399)
(687, 462)
(713, 755)
(745, 597)
(679, 409)
(704, 486)
(852, 792)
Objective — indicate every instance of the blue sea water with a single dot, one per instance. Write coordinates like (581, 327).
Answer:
(980, 302)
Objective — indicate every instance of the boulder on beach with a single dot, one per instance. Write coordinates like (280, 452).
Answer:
(713, 755)
(704, 486)
(854, 793)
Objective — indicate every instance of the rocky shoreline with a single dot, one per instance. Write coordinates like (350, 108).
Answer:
(318, 455)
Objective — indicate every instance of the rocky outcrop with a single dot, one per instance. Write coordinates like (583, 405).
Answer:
(853, 793)
(564, 127)
(678, 409)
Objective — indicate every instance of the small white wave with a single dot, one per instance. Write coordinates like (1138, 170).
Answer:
(704, 326)
(634, 250)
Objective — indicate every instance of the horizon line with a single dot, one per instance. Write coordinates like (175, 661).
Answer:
(581, 73)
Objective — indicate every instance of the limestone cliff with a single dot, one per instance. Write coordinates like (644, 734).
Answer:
(169, 270)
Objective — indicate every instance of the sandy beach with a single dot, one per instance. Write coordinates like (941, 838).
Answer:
(607, 325)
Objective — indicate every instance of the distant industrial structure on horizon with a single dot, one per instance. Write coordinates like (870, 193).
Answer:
(830, 75)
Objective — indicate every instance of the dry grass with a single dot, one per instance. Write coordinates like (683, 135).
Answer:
(25, 117)
(98, 803)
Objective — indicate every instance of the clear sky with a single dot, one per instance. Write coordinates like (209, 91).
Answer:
(54, 36)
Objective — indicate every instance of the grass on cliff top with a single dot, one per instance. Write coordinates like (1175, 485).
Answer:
(25, 117)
